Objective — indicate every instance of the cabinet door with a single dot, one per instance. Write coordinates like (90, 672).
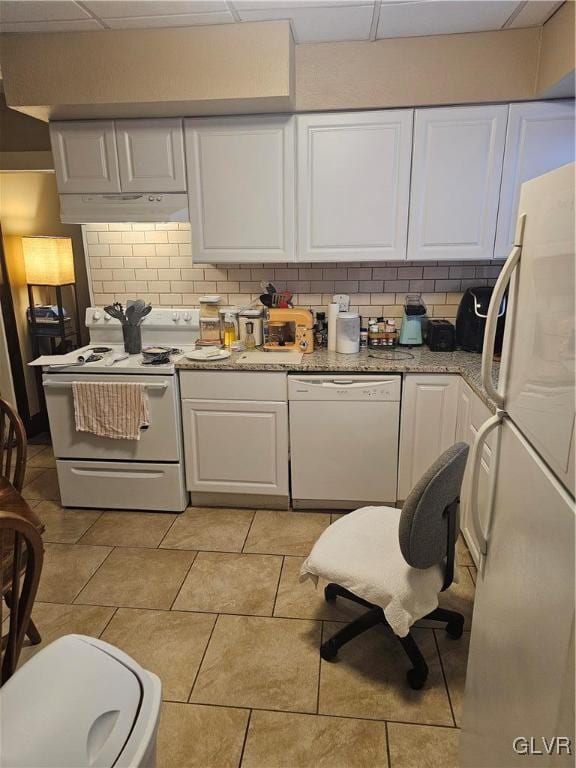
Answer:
(539, 139)
(85, 156)
(353, 185)
(241, 188)
(475, 413)
(463, 421)
(427, 424)
(151, 155)
(456, 172)
(232, 446)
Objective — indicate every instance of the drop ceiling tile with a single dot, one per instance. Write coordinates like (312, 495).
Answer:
(534, 13)
(259, 5)
(125, 9)
(72, 25)
(40, 10)
(442, 17)
(176, 20)
(319, 24)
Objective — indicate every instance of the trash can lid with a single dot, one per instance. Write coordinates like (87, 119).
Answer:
(73, 704)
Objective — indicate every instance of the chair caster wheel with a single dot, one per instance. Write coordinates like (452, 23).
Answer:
(329, 650)
(330, 593)
(454, 629)
(416, 679)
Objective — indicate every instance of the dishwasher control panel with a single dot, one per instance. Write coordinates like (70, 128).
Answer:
(345, 388)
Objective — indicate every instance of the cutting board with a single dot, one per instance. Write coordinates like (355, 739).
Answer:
(269, 358)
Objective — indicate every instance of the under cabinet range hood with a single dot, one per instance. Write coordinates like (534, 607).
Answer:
(124, 206)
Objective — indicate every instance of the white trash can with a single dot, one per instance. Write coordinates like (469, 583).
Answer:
(80, 702)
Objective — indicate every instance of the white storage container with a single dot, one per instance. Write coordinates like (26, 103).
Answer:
(79, 702)
(348, 333)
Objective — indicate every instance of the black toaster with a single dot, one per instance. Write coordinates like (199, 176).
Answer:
(441, 336)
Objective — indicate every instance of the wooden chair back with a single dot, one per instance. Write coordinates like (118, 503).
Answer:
(12, 445)
(21, 558)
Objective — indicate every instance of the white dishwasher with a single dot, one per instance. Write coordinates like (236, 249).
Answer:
(344, 440)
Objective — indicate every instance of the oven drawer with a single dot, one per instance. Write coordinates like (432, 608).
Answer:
(161, 441)
(122, 485)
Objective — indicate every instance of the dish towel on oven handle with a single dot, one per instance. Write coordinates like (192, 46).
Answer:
(118, 410)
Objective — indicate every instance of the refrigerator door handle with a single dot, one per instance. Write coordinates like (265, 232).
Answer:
(475, 459)
(493, 313)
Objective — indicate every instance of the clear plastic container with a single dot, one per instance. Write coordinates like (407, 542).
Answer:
(209, 306)
(210, 330)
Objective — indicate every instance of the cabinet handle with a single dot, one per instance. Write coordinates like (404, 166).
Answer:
(493, 313)
(475, 461)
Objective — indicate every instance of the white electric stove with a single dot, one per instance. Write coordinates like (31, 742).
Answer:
(97, 472)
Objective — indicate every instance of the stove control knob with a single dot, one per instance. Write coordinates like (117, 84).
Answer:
(175, 316)
(187, 316)
(96, 315)
(107, 317)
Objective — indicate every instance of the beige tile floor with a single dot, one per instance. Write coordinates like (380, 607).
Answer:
(210, 600)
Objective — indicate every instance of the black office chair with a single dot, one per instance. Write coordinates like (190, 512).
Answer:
(396, 562)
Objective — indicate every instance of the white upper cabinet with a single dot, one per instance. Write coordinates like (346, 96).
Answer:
(151, 155)
(85, 156)
(241, 188)
(353, 185)
(456, 173)
(540, 138)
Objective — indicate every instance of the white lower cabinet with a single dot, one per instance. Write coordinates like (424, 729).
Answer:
(235, 443)
(427, 424)
(472, 413)
(236, 447)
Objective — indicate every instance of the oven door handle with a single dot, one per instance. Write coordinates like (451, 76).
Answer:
(69, 384)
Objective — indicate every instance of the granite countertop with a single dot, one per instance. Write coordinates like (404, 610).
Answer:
(413, 360)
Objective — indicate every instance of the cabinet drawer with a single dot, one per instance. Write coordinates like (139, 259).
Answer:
(230, 385)
(122, 485)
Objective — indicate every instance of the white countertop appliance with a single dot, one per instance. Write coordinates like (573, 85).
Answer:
(340, 426)
(520, 679)
(100, 472)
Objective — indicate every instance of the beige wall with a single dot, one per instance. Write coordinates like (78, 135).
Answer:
(29, 206)
(557, 55)
(446, 69)
(20, 133)
(224, 68)
(255, 67)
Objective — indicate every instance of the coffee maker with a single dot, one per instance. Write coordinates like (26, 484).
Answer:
(289, 329)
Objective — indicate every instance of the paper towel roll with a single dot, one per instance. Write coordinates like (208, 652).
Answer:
(333, 310)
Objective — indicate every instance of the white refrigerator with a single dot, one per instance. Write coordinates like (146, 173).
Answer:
(520, 677)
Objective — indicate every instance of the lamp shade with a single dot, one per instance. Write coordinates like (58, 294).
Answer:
(48, 260)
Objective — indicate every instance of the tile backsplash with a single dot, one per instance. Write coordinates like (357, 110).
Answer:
(155, 262)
